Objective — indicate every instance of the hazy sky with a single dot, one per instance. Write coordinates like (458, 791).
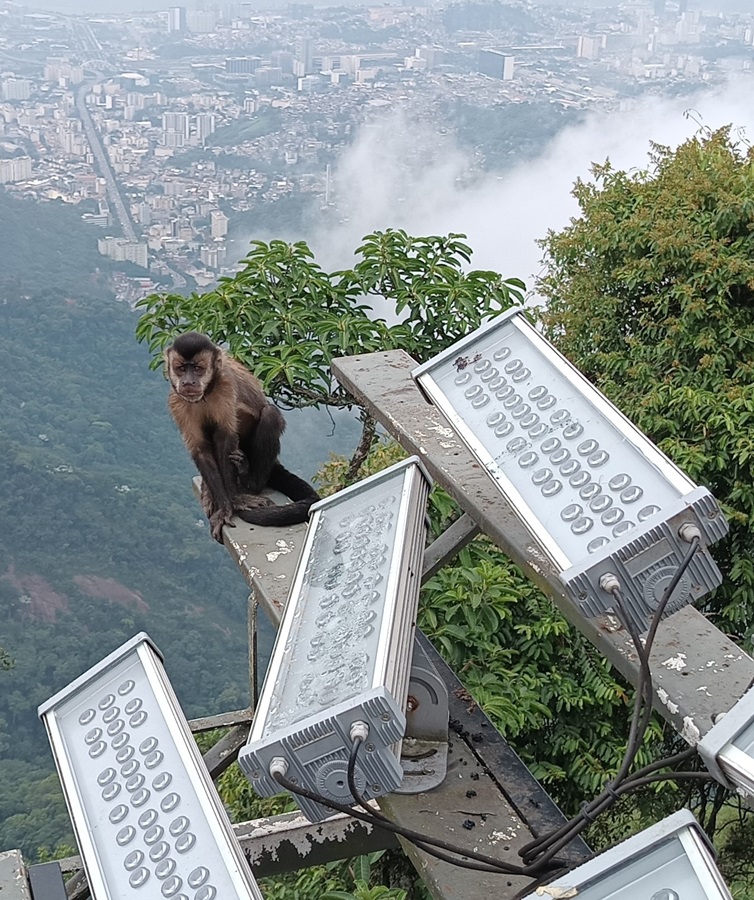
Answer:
(112, 6)
(93, 7)
(504, 216)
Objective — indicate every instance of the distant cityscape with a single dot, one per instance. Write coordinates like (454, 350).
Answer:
(165, 127)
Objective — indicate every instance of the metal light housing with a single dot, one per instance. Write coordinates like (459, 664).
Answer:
(727, 749)
(672, 860)
(343, 652)
(595, 493)
(147, 817)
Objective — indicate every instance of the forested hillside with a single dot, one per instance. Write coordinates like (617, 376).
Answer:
(100, 535)
(46, 245)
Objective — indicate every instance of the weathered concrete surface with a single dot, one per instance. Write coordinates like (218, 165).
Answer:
(13, 883)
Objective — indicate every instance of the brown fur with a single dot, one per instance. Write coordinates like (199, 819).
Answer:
(233, 435)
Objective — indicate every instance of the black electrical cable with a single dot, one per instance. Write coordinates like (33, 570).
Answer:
(543, 848)
(674, 581)
(625, 788)
(547, 878)
(495, 865)
(632, 784)
(552, 843)
(422, 845)
(639, 723)
(667, 762)
(352, 787)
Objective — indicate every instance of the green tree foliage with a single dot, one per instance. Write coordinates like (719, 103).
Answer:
(287, 318)
(650, 292)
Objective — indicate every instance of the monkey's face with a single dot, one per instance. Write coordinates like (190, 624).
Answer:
(190, 378)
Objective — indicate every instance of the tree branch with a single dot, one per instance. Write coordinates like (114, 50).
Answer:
(368, 428)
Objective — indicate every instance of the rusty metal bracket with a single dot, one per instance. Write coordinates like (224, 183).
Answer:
(424, 754)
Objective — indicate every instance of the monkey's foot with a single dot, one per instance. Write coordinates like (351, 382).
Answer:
(251, 501)
(216, 522)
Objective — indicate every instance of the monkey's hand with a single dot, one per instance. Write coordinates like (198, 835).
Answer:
(217, 520)
(240, 463)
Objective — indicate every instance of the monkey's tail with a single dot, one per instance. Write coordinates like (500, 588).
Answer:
(289, 514)
(291, 485)
(296, 489)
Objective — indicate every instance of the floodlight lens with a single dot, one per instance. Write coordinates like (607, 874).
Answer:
(681, 859)
(114, 779)
(571, 421)
(344, 647)
(601, 458)
(320, 647)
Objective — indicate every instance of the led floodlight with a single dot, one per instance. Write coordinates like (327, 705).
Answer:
(598, 496)
(341, 662)
(672, 860)
(728, 747)
(148, 820)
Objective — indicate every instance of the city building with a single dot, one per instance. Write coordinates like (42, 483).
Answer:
(496, 64)
(267, 76)
(242, 65)
(176, 19)
(175, 129)
(213, 257)
(16, 169)
(122, 250)
(201, 21)
(588, 47)
(16, 89)
(218, 224)
(433, 56)
(205, 124)
(282, 59)
(303, 61)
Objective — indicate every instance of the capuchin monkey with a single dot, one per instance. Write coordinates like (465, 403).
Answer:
(233, 435)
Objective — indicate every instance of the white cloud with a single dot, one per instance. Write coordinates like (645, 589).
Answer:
(502, 216)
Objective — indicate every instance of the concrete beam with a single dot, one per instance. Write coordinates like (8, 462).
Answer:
(13, 881)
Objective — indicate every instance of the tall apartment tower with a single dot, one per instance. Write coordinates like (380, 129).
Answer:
(16, 169)
(218, 223)
(588, 47)
(176, 19)
(16, 89)
(496, 64)
(205, 126)
(201, 21)
(303, 62)
(175, 129)
(283, 60)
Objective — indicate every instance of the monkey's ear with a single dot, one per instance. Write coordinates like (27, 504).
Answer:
(166, 353)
